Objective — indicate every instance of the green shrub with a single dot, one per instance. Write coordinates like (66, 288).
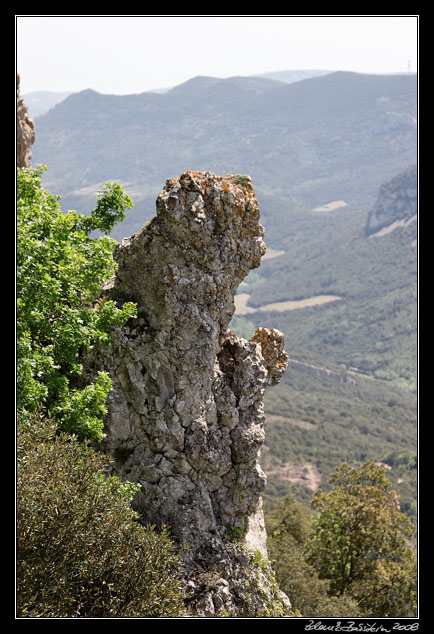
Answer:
(60, 270)
(289, 525)
(80, 550)
(360, 542)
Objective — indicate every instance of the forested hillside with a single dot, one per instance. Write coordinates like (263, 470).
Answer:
(319, 151)
(332, 159)
(75, 525)
(308, 143)
(366, 335)
(370, 324)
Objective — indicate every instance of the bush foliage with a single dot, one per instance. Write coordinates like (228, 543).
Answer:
(60, 269)
(360, 542)
(352, 558)
(80, 550)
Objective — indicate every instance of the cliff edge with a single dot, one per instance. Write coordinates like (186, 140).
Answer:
(185, 417)
(396, 206)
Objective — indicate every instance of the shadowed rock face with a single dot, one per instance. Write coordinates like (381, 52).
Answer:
(185, 417)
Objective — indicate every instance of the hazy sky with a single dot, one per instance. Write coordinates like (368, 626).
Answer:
(131, 54)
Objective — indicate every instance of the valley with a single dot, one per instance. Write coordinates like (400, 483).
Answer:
(326, 156)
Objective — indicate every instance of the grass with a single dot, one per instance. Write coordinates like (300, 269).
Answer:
(281, 307)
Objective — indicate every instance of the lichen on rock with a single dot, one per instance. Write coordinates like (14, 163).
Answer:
(185, 416)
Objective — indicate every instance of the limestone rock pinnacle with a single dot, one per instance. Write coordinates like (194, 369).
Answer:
(185, 417)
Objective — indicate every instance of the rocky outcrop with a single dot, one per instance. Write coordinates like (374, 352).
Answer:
(185, 416)
(25, 131)
(396, 206)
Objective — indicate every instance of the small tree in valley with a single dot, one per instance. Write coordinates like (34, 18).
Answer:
(360, 542)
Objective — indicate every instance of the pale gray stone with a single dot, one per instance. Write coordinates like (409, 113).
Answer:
(188, 393)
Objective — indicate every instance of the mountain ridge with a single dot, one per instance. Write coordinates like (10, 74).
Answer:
(304, 141)
(306, 145)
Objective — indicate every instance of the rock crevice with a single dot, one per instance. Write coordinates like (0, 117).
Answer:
(185, 416)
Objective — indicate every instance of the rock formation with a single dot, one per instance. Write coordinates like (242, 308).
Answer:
(396, 206)
(25, 131)
(185, 416)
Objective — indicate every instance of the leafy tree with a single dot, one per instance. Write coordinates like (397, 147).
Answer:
(80, 550)
(289, 526)
(359, 542)
(60, 269)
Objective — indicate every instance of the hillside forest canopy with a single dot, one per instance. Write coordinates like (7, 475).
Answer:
(76, 530)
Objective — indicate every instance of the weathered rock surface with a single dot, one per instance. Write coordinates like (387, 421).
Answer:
(25, 131)
(185, 417)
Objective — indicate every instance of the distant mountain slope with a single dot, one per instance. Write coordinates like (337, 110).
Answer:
(372, 324)
(313, 423)
(327, 138)
(318, 151)
(327, 142)
(41, 101)
(291, 76)
(396, 205)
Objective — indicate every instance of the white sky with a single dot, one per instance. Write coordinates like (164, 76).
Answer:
(131, 54)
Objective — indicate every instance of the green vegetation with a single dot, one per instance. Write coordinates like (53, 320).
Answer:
(343, 422)
(265, 582)
(338, 137)
(360, 542)
(373, 327)
(288, 528)
(235, 533)
(80, 550)
(60, 269)
(350, 558)
(311, 142)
